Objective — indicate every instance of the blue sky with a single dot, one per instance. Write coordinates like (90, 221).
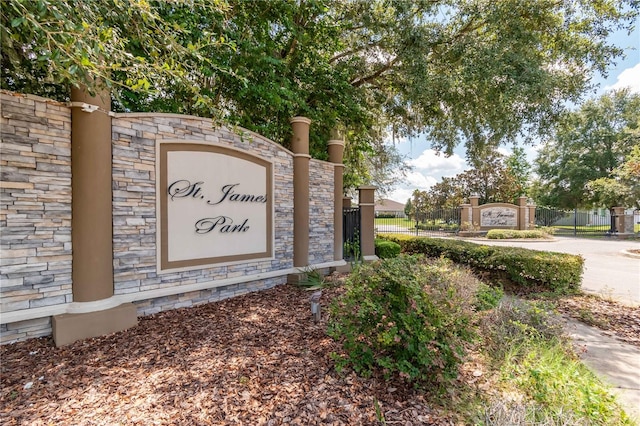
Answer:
(429, 168)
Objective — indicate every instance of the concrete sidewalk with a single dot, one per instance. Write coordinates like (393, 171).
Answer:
(615, 362)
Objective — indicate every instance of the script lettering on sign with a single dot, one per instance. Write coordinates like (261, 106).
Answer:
(215, 205)
(498, 216)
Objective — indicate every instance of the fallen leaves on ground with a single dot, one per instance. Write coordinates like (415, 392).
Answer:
(618, 320)
(257, 359)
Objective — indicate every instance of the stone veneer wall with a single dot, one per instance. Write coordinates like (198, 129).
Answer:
(35, 212)
(321, 212)
(35, 251)
(134, 205)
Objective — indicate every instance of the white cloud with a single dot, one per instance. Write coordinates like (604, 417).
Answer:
(504, 151)
(428, 169)
(439, 165)
(420, 181)
(412, 181)
(400, 195)
(630, 78)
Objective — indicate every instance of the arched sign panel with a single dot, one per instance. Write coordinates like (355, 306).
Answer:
(215, 206)
(498, 216)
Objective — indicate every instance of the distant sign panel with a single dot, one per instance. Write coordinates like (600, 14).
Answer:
(499, 216)
(215, 206)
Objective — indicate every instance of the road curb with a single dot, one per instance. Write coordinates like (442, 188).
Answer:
(511, 240)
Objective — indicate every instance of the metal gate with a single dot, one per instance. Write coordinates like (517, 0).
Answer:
(351, 249)
(435, 222)
(579, 223)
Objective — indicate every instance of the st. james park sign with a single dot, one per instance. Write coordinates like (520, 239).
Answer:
(215, 206)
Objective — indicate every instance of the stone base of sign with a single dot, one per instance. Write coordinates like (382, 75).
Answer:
(343, 269)
(68, 328)
(296, 278)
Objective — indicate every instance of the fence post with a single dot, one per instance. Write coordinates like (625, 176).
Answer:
(336, 150)
(532, 216)
(366, 200)
(575, 222)
(466, 217)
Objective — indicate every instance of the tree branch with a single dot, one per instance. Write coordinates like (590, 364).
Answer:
(352, 51)
(372, 77)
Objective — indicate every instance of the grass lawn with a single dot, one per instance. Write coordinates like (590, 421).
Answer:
(597, 229)
(397, 221)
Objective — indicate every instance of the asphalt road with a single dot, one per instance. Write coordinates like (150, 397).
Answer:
(607, 271)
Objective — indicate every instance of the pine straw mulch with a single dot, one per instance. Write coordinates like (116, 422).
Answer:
(256, 359)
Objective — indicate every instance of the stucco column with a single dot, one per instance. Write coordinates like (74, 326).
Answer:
(532, 216)
(91, 222)
(618, 221)
(336, 150)
(366, 200)
(522, 213)
(91, 225)
(475, 210)
(466, 217)
(301, 157)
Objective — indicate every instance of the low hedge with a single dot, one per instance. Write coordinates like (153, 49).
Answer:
(386, 249)
(557, 272)
(502, 234)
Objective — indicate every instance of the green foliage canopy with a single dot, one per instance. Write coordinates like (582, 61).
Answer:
(622, 188)
(461, 71)
(127, 45)
(588, 144)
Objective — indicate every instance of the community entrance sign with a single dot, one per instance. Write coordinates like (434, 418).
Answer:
(499, 216)
(215, 206)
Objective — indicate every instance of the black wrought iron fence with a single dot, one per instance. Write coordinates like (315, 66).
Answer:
(351, 234)
(436, 222)
(587, 223)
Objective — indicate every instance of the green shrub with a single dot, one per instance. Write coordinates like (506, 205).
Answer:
(549, 230)
(386, 249)
(488, 297)
(407, 315)
(502, 234)
(438, 226)
(557, 272)
(386, 216)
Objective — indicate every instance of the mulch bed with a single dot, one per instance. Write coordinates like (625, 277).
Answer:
(257, 359)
